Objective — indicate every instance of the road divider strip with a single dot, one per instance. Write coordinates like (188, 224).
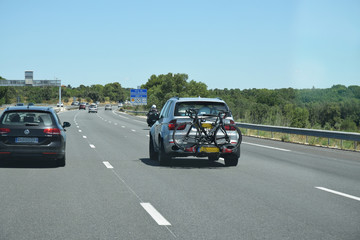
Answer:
(159, 219)
(338, 193)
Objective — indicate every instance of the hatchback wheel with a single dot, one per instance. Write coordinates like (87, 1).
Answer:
(152, 153)
(61, 162)
(231, 160)
(163, 158)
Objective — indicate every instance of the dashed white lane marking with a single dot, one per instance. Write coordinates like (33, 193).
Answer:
(155, 214)
(338, 193)
(92, 146)
(133, 130)
(84, 136)
(258, 145)
(77, 126)
(120, 115)
(107, 164)
(148, 135)
(123, 126)
(80, 130)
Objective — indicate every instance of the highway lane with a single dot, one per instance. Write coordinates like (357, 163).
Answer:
(271, 194)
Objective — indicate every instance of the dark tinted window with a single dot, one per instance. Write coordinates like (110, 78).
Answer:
(202, 107)
(22, 117)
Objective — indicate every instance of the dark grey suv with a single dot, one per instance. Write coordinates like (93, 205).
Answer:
(173, 113)
(32, 132)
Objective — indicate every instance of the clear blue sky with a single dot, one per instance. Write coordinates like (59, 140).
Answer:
(224, 44)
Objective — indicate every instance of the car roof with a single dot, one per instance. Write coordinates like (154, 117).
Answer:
(199, 99)
(30, 108)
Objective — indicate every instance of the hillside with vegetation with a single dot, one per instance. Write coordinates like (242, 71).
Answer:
(335, 108)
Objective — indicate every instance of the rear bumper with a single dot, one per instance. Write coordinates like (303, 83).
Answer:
(32, 151)
(193, 151)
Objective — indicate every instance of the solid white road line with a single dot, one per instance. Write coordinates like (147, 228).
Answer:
(107, 164)
(338, 193)
(258, 145)
(155, 214)
(92, 146)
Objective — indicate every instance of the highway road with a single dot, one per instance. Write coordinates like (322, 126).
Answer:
(110, 189)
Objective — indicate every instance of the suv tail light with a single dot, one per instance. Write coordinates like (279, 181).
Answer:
(172, 125)
(228, 128)
(52, 131)
(4, 130)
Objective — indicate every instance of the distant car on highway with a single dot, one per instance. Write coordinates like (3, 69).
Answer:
(19, 104)
(60, 104)
(93, 108)
(108, 107)
(82, 106)
(27, 132)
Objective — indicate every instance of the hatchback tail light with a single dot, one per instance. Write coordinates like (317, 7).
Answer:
(4, 130)
(52, 131)
(172, 125)
(229, 128)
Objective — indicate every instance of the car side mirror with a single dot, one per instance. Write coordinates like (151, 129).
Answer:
(66, 124)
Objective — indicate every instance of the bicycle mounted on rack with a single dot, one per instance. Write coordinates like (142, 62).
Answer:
(206, 135)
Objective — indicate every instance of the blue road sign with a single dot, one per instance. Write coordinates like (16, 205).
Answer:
(138, 96)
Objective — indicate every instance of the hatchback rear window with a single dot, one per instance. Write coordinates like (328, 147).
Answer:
(212, 108)
(23, 117)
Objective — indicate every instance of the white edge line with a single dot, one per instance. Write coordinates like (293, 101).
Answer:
(108, 165)
(155, 214)
(338, 193)
(258, 145)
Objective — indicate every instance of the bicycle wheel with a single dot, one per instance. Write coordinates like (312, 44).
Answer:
(186, 135)
(229, 135)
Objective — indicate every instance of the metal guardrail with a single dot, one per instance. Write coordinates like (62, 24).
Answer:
(348, 136)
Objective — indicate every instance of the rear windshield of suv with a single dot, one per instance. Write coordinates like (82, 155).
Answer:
(23, 117)
(202, 107)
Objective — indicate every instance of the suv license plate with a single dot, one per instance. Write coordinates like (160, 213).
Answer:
(209, 149)
(26, 140)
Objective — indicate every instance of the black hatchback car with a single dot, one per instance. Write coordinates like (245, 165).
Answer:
(31, 131)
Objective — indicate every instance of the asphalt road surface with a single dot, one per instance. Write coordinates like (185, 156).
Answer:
(110, 189)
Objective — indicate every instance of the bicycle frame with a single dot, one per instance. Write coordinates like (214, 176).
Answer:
(207, 137)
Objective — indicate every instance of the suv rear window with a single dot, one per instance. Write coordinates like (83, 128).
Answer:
(202, 107)
(22, 117)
